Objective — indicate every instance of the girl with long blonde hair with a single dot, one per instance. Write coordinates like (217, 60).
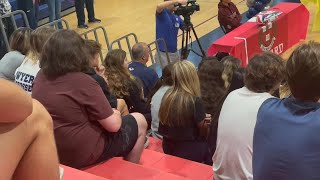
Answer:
(182, 115)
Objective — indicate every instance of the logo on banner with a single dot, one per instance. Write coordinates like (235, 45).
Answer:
(267, 36)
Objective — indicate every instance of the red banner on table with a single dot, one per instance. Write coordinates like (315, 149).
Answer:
(290, 27)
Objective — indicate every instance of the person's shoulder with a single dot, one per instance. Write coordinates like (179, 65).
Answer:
(13, 56)
(78, 79)
(164, 12)
(82, 77)
(221, 6)
(235, 93)
(151, 71)
(270, 106)
(134, 64)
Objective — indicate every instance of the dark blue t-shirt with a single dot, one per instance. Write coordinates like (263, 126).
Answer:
(147, 75)
(167, 27)
(286, 143)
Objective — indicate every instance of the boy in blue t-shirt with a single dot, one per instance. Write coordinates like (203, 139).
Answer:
(286, 144)
(167, 27)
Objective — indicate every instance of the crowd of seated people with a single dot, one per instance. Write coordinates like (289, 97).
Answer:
(84, 113)
(233, 155)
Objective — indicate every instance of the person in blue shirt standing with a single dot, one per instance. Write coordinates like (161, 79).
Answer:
(286, 143)
(167, 27)
(138, 68)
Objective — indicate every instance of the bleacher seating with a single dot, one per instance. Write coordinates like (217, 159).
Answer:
(75, 174)
(153, 165)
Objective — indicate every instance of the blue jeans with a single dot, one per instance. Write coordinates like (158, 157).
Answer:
(54, 11)
(31, 11)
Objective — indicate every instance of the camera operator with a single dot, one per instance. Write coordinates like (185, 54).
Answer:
(167, 27)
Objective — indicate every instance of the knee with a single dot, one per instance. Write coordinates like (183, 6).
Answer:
(141, 121)
(41, 117)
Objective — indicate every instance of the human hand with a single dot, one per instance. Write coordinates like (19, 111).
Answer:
(116, 111)
(234, 15)
(100, 70)
(182, 2)
(207, 119)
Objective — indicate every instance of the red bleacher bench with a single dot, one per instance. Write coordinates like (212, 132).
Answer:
(153, 165)
(75, 174)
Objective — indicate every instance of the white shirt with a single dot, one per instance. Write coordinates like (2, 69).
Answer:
(238, 116)
(155, 107)
(26, 73)
(5, 7)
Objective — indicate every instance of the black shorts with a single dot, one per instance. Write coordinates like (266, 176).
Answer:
(122, 142)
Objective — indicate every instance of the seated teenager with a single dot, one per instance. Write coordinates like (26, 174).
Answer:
(238, 116)
(156, 95)
(213, 93)
(19, 47)
(27, 143)
(228, 15)
(182, 115)
(123, 85)
(233, 74)
(286, 144)
(138, 68)
(94, 49)
(86, 128)
(26, 73)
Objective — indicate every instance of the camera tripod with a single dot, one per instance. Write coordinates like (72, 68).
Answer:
(186, 35)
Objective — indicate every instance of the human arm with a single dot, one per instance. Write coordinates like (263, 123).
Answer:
(98, 107)
(202, 119)
(228, 20)
(138, 103)
(104, 86)
(165, 4)
(15, 104)
(113, 122)
(238, 15)
(9, 63)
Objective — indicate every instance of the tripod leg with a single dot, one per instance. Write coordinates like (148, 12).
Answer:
(184, 52)
(201, 49)
(182, 45)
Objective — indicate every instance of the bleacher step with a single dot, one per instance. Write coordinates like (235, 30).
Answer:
(153, 165)
(118, 169)
(75, 174)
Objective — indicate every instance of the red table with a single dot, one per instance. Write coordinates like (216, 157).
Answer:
(249, 39)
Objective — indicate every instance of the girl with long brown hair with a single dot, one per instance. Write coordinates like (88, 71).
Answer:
(122, 84)
(182, 115)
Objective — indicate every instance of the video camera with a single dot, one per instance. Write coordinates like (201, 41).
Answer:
(187, 10)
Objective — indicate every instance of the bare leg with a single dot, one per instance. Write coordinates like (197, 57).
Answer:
(135, 154)
(122, 107)
(28, 149)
